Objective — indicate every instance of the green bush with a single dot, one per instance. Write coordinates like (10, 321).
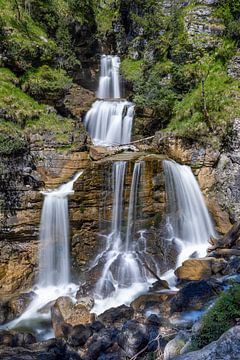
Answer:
(11, 139)
(46, 83)
(220, 317)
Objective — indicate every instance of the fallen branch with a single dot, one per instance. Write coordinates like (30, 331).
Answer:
(157, 338)
(225, 252)
(163, 282)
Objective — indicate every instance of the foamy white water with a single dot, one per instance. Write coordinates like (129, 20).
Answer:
(123, 276)
(109, 82)
(54, 263)
(109, 121)
(54, 266)
(188, 222)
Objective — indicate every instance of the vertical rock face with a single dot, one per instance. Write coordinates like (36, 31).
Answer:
(45, 165)
(91, 204)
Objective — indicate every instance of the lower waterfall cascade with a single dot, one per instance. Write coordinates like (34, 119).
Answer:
(188, 219)
(123, 274)
(54, 277)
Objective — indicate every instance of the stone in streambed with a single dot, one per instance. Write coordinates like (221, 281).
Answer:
(15, 306)
(133, 337)
(64, 314)
(13, 338)
(174, 346)
(157, 303)
(227, 347)
(194, 296)
(198, 269)
(116, 316)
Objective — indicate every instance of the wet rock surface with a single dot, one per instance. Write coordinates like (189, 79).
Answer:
(198, 269)
(194, 296)
(226, 347)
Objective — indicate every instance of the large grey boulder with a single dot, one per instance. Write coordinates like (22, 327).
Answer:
(227, 347)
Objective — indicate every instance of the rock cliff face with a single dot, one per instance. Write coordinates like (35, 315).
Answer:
(91, 205)
(45, 165)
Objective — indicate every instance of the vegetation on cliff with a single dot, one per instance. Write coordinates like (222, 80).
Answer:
(221, 316)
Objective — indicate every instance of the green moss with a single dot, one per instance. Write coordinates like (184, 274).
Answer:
(132, 70)
(17, 106)
(46, 83)
(24, 41)
(11, 139)
(220, 317)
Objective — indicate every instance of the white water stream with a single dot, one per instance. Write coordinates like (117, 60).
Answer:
(123, 275)
(109, 121)
(54, 263)
(189, 223)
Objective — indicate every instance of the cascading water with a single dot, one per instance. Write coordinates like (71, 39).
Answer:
(109, 82)
(54, 268)
(54, 264)
(123, 275)
(109, 121)
(188, 219)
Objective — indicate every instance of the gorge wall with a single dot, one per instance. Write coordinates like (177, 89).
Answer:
(180, 62)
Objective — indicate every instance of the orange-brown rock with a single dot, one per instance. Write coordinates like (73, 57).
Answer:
(64, 313)
(199, 269)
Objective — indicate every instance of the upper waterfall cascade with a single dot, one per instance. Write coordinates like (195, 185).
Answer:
(109, 121)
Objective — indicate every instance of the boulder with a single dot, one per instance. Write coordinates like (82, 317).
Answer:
(117, 316)
(154, 302)
(13, 338)
(227, 347)
(175, 345)
(65, 315)
(193, 296)
(99, 343)
(78, 335)
(133, 337)
(198, 269)
(15, 306)
(52, 349)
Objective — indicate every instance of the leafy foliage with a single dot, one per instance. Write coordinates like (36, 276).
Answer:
(46, 83)
(220, 317)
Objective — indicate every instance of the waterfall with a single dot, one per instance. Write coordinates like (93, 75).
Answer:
(109, 121)
(109, 82)
(54, 268)
(54, 264)
(123, 274)
(188, 219)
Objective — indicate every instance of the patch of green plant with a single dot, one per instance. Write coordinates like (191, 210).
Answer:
(11, 139)
(229, 11)
(106, 12)
(15, 105)
(209, 107)
(46, 83)
(219, 318)
(132, 70)
(24, 42)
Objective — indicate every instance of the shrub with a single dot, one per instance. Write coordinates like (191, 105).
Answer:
(220, 317)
